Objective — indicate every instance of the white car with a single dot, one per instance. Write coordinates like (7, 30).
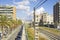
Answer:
(58, 27)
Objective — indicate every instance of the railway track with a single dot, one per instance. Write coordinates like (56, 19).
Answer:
(51, 36)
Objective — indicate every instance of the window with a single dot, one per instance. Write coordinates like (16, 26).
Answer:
(37, 19)
(37, 16)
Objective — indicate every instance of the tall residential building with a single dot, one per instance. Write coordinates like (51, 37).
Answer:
(9, 11)
(56, 10)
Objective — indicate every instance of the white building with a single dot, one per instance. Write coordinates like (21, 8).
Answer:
(50, 19)
(43, 18)
(37, 18)
(47, 19)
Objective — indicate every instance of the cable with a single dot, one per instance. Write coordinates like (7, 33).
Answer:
(41, 4)
(38, 3)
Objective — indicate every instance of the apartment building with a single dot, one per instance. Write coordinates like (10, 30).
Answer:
(56, 12)
(47, 19)
(9, 11)
(37, 18)
(50, 19)
(43, 19)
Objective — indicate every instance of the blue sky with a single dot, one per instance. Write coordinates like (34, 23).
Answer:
(25, 7)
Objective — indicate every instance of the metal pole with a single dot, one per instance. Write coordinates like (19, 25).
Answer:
(34, 23)
(34, 17)
(35, 28)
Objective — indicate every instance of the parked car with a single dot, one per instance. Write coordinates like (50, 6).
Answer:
(58, 27)
(49, 25)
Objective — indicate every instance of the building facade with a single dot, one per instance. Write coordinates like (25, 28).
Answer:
(47, 19)
(50, 19)
(37, 18)
(43, 19)
(56, 13)
(9, 11)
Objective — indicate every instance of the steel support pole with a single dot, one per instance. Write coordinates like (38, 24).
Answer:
(34, 23)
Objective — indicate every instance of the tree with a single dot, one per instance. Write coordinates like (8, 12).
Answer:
(10, 24)
(14, 23)
(3, 22)
(19, 22)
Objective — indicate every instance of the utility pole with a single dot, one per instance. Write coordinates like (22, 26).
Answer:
(36, 34)
(34, 23)
(36, 29)
(34, 17)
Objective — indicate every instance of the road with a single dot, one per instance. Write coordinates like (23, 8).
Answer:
(19, 36)
(51, 36)
(24, 34)
(13, 35)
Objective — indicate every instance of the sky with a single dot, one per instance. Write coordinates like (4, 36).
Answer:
(24, 8)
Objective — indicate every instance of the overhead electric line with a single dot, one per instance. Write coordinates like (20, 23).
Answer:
(40, 4)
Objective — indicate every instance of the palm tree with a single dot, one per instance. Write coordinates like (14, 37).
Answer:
(10, 24)
(3, 22)
(19, 22)
(14, 23)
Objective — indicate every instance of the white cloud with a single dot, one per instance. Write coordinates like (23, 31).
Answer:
(40, 10)
(18, 18)
(22, 3)
(9, 5)
(22, 7)
(31, 13)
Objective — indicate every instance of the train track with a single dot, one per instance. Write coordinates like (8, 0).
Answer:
(51, 36)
